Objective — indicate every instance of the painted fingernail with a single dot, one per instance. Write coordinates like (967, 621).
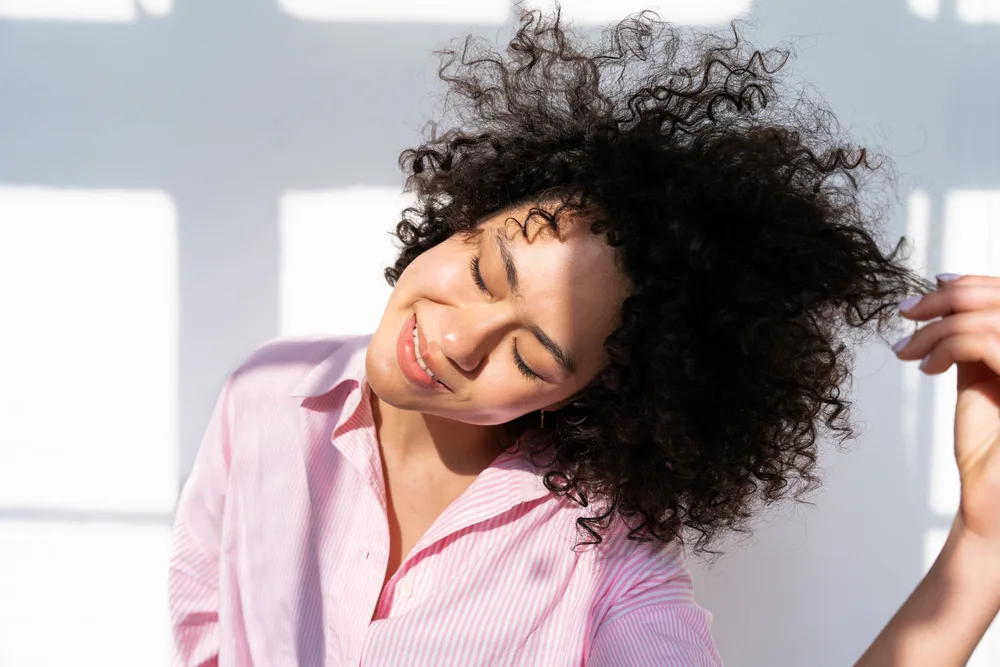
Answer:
(901, 344)
(907, 304)
(947, 277)
(923, 363)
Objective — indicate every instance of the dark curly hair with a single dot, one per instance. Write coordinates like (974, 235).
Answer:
(737, 214)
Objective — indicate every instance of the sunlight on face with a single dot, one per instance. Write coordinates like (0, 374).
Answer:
(501, 352)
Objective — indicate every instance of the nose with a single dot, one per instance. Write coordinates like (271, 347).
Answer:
(468, 333)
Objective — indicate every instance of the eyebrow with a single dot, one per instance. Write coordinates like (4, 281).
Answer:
(562, 357)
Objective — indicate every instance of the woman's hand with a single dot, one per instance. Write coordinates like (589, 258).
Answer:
(945, 617)
(968, 336)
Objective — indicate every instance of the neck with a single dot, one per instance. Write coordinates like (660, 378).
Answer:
(464, 449)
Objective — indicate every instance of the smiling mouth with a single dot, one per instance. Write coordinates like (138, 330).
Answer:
(420, 360)
(416, 352)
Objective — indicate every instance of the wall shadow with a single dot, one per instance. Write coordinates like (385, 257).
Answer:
(226, 105)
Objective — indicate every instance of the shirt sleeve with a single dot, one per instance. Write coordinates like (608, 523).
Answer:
(661, 635)
(657, 623)
(193, 578)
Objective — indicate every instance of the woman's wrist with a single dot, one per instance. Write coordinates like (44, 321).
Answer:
(968, 555)
(946, 616)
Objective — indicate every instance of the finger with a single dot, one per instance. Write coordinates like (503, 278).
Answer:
(955, 297)
(943, 278)
(969, 279)
(924, 340)
(963, 348)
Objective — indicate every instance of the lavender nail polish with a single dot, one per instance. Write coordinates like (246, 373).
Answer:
(907, 304)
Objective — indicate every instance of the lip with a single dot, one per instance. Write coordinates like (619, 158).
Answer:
(408, 361)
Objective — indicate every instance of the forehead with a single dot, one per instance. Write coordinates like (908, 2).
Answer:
(570, 246)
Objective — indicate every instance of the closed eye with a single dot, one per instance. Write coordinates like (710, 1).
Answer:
(477, 277)
(523, 367)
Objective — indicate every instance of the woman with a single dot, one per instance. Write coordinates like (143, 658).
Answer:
(615, 331)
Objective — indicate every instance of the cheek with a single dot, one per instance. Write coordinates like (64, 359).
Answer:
(502, 396)
(434, 273)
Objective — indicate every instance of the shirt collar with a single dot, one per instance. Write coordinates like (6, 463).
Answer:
(346, 361)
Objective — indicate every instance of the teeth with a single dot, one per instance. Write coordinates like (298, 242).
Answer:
(416, 353)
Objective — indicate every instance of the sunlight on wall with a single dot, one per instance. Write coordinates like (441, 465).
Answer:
(88, 425)
(334, 246)
(978, 11)
(681, 11)
(968, 11)
(156, 7)
(400, 11)
(83, 594)
(103, 11)
(969, 242)
(89, 281)
(925, 9)
(498, 11)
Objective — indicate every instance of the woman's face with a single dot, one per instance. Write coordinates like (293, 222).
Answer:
(499, 352)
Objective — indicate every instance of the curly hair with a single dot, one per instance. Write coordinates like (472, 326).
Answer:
(740, 219)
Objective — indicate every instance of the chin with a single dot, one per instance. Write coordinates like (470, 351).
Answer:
(385, 378)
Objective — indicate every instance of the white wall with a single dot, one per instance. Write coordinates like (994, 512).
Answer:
(180, 181)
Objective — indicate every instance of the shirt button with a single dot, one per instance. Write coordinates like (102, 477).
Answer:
(405, 589)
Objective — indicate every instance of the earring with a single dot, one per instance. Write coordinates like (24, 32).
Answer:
(542, 412)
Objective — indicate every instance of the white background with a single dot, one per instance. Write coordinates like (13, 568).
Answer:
(182, 180)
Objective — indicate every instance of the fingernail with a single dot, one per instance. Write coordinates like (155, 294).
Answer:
(907, 304)
(926, 360)
(947, 277)
(901, 344)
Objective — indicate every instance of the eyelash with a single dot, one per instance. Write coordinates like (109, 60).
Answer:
(477, 278)
(521, 366)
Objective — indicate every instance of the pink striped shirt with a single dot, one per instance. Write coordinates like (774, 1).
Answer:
(281, 543)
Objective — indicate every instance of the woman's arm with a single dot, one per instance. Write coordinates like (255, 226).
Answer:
(943, 620)
(193, 579)
(946, 616)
